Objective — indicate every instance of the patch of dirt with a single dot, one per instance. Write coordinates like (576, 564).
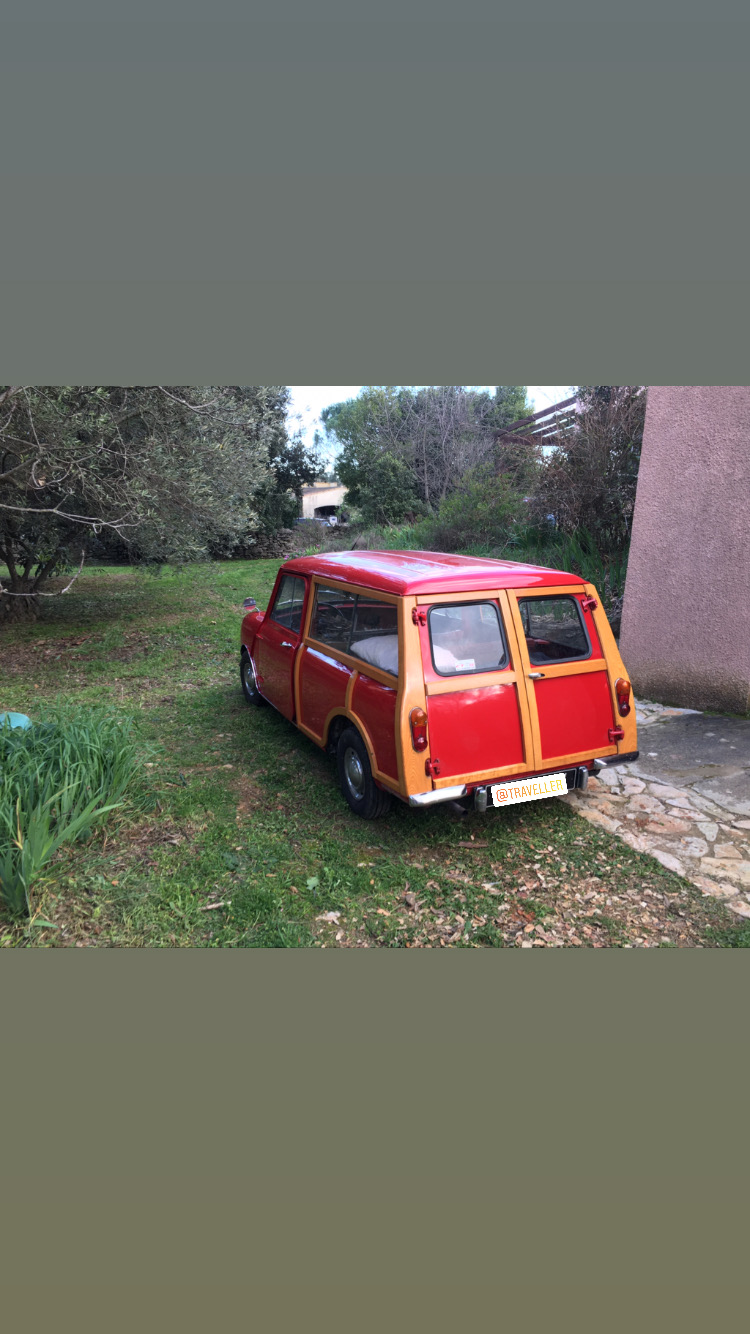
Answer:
(252, 796)
(22, 657)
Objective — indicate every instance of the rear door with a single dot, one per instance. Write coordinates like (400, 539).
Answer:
(477, 710)
(565, 673)
(276, 643)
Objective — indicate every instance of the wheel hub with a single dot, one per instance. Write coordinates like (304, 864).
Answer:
(354, 772)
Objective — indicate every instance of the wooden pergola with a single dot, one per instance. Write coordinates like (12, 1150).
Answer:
(543, 427)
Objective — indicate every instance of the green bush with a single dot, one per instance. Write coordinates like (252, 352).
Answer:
(483, 513)
(57, 779)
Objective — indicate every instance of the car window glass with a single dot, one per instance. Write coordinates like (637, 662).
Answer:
(554, 629)
(288, 603)
(373, 618)
(375, 633)
(333, 618)
(466, 637)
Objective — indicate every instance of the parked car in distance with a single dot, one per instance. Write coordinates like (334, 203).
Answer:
(436, 677)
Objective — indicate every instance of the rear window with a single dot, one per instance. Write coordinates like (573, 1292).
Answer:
(554, 629)
(466, 637)
(357, 623)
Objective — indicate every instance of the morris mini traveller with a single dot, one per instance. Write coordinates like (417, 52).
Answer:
(437, 678)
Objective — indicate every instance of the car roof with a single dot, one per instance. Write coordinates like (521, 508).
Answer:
(410, 572)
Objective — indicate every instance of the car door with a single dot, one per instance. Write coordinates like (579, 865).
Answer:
(478, 717)
(567, 681)
(277, 641)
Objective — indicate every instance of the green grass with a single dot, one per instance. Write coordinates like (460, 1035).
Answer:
(232, 806)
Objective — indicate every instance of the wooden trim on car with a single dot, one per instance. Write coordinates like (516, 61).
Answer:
(576, 667)
(524, 667)
(615, 669)
(494, 775)
(453, 685)
(336, 586)
(488, 594)
(355, 664)
(522, 694)
(312, 735)
(411, 695)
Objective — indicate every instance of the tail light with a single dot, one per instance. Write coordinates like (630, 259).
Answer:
(622, 691)
(418, 724)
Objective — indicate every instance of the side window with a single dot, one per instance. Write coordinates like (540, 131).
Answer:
(375, 633)
(554, 629)
(288, 603)
(466, 637)
(333, 618)
(359, 624)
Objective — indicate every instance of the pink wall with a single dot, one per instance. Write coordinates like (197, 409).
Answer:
(686, 617)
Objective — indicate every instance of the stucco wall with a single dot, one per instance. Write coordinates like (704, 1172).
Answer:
(685, 635)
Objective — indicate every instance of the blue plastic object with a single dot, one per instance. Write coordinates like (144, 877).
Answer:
(15, 720)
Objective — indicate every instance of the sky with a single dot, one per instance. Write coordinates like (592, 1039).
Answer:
(308, 402)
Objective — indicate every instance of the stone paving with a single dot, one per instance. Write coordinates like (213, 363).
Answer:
(685, 801)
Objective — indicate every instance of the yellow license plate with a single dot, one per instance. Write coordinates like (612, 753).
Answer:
(528, 789)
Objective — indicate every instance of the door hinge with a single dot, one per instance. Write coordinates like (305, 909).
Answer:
(419, 616)
(589, 604)
(432, 768)
(616, 733)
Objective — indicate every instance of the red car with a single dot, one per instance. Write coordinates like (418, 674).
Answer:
(441, 678)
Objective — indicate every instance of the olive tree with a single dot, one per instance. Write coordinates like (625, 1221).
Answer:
(167, 472)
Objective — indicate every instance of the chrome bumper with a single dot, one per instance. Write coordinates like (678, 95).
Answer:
(441, 794)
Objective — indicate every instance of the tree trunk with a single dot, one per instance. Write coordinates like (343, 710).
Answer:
(14, 609)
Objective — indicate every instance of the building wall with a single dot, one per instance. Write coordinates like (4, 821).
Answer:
(685, 635)
(313, 496)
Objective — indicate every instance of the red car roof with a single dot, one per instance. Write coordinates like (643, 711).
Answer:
(410, 572)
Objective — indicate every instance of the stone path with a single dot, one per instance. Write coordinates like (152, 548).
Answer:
(686, 800)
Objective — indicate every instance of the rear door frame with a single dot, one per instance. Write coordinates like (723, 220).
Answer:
(513, 674)
(577, 667)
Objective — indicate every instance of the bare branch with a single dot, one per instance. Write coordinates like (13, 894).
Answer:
(10, 471)
(32, 593)
(202, 407)
(75, 518)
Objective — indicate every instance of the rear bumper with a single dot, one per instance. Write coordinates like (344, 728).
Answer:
(440, 794)
(577, 777)
(574, 778)
(616, 759)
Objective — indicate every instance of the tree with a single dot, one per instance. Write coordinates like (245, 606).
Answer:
(167, 472)
(589, 480)
(293, 465)
(484, 511)
(437, 434)
(510, 405)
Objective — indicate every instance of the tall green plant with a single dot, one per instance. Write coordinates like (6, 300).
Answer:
(57, 780)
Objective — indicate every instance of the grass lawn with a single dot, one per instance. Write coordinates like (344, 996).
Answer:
(237, 834)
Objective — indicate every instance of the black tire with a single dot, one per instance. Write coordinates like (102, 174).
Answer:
(249, 685)
(358, 786)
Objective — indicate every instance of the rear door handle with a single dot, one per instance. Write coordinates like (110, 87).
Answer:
(534, 676)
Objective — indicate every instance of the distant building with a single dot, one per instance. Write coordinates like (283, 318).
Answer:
(321, 499)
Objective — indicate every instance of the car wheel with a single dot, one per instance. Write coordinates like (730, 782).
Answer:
(355, 776)
(249, 684)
